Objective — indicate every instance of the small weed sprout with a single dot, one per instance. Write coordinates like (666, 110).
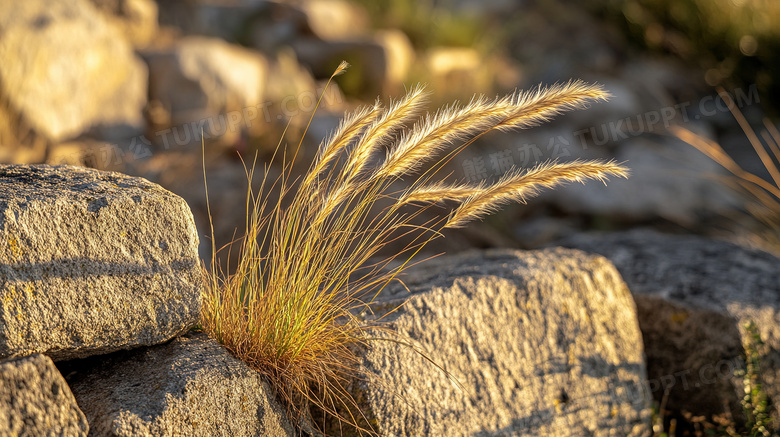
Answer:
(307, 259)
(755, 402)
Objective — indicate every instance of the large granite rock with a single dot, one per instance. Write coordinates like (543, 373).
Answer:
(36, 401)
(92, 262)
(64, 69)
(693, 298)
(191, 386)
(536, 343)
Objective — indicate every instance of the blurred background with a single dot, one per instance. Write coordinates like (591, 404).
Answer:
(137, 86)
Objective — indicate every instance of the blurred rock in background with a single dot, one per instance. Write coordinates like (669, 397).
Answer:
(135, 19)
(206, 80)
(66, 71)
(139, 86)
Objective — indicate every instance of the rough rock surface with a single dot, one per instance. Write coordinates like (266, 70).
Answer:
(693, 297)
(36, 401)
(541, 343)
(65, 69)
(92, 262)
(191, 386)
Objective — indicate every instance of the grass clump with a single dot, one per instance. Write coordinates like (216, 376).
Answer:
(308, 260)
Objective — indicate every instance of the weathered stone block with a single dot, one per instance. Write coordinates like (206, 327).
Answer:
(92, 262)
(536, 343)
(191, 386)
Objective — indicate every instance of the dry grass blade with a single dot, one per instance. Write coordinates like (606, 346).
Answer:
(715, 152)
(518, 185)
(772, 137)
(762, 196)
(751, 135)
(307, 257)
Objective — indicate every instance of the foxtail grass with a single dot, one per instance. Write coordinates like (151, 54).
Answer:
(308, 260)
(762, 196)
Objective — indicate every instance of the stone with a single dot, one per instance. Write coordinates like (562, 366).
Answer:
(668, 80)
(17, 151)
(693, 297)
(191, 386)
(64, 70)
(208, 83)
(669, 180)
(335, 19)
(456, 68)
(135, 19)
(35, 400)
(92, 262)
(625, 103)
(533, 343)
(266, 25)
(400, 58)
(379, 64)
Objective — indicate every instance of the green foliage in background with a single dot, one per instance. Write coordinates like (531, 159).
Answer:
(755, 402)
(736, 42)
(427, 23)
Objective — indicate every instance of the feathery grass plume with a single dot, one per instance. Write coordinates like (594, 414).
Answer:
(434, 133)
(532, 108)
(762, 196)
(349, 128)
(518, 185)
(307, 260)
(518, 111)
(379, 132)
(439, 191)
